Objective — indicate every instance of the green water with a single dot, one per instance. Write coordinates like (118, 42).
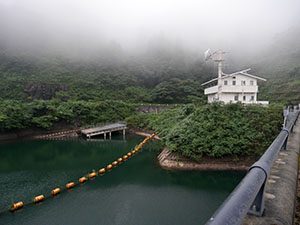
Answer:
(137, 192)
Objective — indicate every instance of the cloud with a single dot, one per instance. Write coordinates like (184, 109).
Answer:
(76, 26)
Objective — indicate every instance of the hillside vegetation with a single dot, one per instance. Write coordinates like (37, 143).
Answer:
(17, 115)
(39, 91)
(214, 130)
(280, 64)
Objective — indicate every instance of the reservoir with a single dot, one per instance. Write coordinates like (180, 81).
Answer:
(138, 192)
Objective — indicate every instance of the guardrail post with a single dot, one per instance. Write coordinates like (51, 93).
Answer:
(285, 144)
(258, 206)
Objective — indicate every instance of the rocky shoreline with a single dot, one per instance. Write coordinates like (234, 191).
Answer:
(172, 161)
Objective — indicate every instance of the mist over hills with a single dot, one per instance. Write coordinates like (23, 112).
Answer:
(144, 51)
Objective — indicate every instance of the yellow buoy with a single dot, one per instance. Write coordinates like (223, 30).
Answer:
(92, 175)
(38, 198)
(70, 185)
(120, 160)
(16, 206)
(133, 152)
(82, 179)
(125, 157)
(102, 171)
(55, 191)
(109, 167)
(115, 163)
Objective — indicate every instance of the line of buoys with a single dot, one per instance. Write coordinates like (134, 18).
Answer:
(92, 175)
(115, 163)
(70, 185)
(82, 180)
(18, 205)
(120, 160)
(109, 167)
(38, 198)
(57, 133)
(102, 171)
(55, 191)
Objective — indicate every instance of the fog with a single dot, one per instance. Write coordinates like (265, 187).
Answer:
(79, 28)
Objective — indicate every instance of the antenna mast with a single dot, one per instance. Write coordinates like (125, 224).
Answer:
(218, 57)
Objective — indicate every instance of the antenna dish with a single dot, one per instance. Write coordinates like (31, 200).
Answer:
(207, 54)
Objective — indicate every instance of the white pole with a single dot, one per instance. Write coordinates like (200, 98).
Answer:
(219, 79)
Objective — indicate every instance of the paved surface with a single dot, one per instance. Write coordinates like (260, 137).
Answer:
(103, 128)
(281, 186)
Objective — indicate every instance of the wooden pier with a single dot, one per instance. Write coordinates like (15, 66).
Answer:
(105, 130)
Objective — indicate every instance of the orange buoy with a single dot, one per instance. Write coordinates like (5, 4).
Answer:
(70, 185)
(125, 157)
(129, 154)
(82, 179)
(38, 198)
(109, 167)
(55, 191)
(102, 171)
(120, 160)
(115, 163)
(16, 206)
(92, 175)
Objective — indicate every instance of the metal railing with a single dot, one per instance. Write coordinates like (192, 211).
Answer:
(248, 196)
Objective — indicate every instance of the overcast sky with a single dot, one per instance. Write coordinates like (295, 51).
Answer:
(72, 25)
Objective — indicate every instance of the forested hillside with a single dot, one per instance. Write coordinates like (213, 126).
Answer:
(159, 77)
(42, 89)
(280, 64)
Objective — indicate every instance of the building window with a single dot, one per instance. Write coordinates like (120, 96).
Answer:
(243, 83)
(225, 82)
(251, 82)
(244, 98)
(252, 98)
(236, 98)
(233, 82)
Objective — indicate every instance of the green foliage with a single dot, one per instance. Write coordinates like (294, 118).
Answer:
(176, 90)
(144, 79)
(216, 130)
(16, 115)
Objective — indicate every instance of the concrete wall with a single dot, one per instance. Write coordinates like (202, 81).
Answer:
(229, 98)
(244, 86)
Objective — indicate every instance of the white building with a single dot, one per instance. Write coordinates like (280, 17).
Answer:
(231, 88)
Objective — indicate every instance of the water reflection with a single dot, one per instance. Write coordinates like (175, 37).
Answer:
(137, 192)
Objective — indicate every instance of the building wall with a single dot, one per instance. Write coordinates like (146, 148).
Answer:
(239, 78)
(245, 88)
(241, 97)
(230, 98)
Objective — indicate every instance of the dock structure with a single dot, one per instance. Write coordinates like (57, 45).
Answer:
(105, 130)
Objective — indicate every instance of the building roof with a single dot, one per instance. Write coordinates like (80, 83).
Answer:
(242, 72)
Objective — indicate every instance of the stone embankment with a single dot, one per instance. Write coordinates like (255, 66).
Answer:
(172, 161)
